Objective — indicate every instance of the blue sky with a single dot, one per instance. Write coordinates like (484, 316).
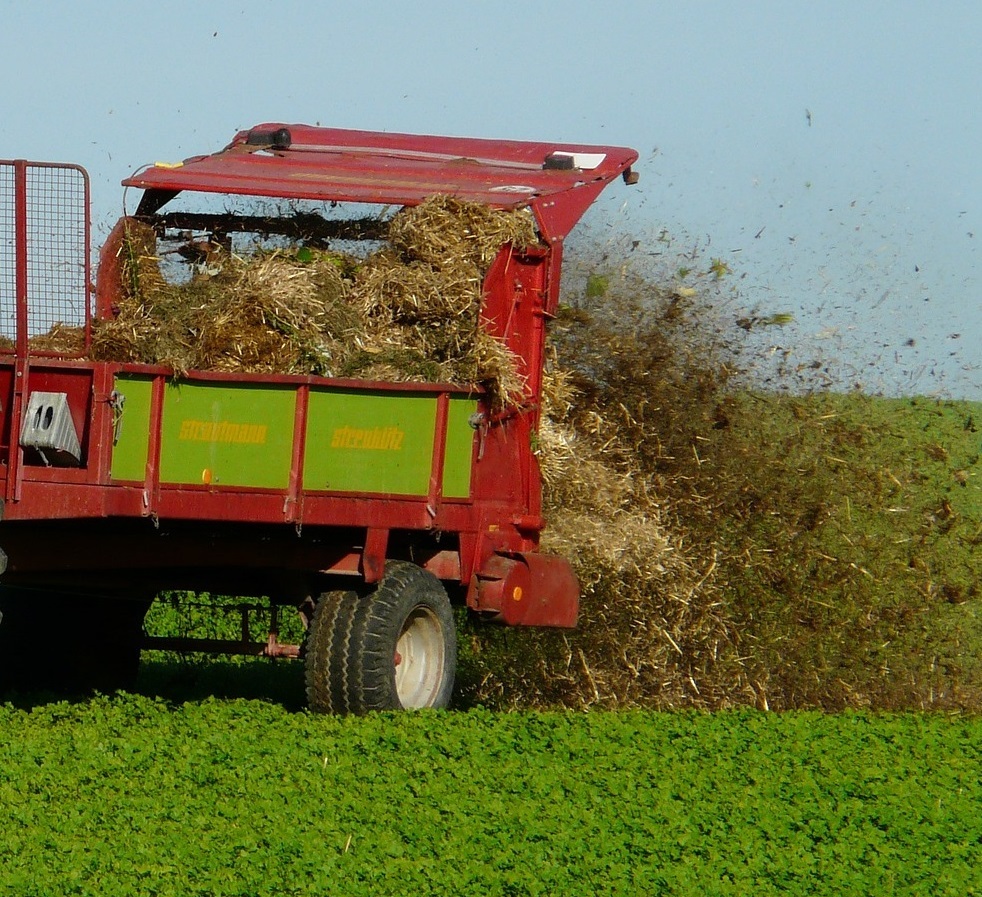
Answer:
(828, 152)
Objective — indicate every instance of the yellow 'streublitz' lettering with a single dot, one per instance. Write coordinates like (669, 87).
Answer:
(222, 431)
(385, 439)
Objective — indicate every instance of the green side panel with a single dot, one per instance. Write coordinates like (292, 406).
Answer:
(369, 442)
(460, 448)
(129, 461)
(227, 435)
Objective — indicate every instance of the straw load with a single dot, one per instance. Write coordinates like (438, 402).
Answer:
(408, 311)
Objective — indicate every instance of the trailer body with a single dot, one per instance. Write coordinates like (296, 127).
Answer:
(119, 480)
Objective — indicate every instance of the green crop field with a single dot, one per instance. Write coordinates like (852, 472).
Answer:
(131, 795)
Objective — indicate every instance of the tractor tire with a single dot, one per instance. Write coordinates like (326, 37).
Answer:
(392, 649)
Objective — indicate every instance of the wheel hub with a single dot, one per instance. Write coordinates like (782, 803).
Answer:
(419, 659)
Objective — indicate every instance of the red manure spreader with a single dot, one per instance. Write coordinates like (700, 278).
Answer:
(373, 506)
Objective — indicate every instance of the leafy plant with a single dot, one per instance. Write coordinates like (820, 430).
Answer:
(130, 795)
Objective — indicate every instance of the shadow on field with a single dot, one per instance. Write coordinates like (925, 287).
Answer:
(178, 681)
(181, 681)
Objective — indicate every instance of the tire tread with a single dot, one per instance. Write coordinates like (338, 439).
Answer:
(352, 637)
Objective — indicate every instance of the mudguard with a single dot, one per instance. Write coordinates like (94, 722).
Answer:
(527, 590)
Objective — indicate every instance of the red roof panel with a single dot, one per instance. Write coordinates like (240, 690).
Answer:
(558, 180)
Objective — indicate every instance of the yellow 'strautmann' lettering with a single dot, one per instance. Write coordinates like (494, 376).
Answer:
(222, 431)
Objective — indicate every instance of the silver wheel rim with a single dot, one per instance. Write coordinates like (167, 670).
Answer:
(419, 659)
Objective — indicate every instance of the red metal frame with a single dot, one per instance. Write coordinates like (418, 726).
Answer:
(486, 543)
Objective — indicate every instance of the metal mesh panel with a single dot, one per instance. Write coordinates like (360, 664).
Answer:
(8, 279)
(57, 247)
(57, 261)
